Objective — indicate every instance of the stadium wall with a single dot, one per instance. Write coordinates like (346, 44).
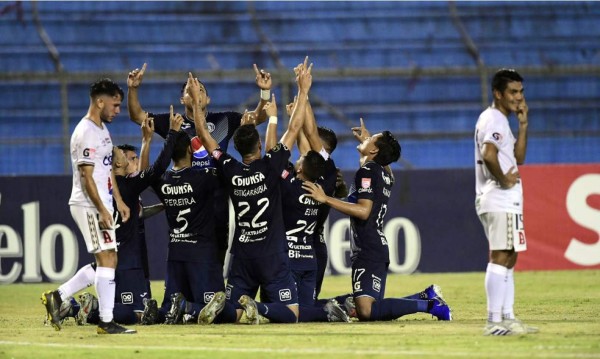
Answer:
(431, 225)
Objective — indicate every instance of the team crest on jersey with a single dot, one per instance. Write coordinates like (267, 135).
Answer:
(365, 182)
(497, 136)
(211, 127)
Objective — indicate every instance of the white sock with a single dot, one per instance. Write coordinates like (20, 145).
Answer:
(105, 288)
(509, 296)
(82, 279)
(495, 288)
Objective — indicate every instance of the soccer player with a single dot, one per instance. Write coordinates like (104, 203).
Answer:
(258, 250)
(367, 206)
(221, 126)
(499, 197)
(91, 205)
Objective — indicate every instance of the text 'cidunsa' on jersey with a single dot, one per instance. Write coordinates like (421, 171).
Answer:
(221, 126)
(255, 194)
(368, 241)
(91, 145)
(493, 128)
(187, 195)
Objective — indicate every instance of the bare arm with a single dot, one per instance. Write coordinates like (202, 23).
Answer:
(521, 144)
(134, 80)
(147, 132)
(87, 180)
(121, 206)
(264, 83)
(304, 80)
(271, 135)
(360, 210)
(310, 129)
(199, 115)
(490, 158)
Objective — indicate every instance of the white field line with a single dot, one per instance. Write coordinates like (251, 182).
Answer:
(360, 352)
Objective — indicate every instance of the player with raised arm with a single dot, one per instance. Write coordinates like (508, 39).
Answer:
(367, 206)
(259, 256)
(499, 198)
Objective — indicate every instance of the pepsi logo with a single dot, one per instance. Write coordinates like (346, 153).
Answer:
(198, 148)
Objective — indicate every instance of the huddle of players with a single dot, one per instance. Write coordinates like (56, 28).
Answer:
(280, 209)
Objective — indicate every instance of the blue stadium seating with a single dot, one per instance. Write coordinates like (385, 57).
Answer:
(433, 115)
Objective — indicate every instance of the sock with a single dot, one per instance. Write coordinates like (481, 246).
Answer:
(82, 279)
(495, 288)
(228, 315)
(105, 288)
(509, 296)
(394, 308)
(124, 314)
(276, 312)
(312, 314)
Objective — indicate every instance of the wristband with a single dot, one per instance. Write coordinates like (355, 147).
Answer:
(273, 120)
(265, 95)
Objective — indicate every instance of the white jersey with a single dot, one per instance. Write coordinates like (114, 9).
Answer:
(492, 127)
(91, 145)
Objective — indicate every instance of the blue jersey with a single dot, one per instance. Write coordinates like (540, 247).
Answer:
(368, 242)
(221, 126)
(254, 190)
(130, 244)
(187, 195)
(300, 219)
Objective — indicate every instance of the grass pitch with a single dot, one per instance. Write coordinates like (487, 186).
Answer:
(565, 305)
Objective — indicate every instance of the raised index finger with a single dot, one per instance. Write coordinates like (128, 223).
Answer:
(256, 69)
(143, 69)
(305, 61)
(171, 112)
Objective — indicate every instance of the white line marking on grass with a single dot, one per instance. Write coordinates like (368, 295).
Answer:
(361, 352)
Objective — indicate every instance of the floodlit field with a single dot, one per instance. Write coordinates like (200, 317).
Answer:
(564, 304)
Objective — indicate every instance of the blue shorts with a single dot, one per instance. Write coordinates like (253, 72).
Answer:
(271, 273)
(306, 281)
(131, 288)
(197, 281)
(368, 278)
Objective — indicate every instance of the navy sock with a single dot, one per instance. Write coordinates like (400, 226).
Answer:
(276, 312)
(228, 315)
(393, 308)
(312, 314)
(124, 314)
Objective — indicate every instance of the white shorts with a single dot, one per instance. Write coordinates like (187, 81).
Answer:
(504, 231)
(96, 239)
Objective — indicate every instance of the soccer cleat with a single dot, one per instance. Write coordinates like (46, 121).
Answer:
(66, 308)
(113, 328)
(517, 327)
(175, 314)
(440, 309)
(496, 329)
(87, 303)
(249, 306)
(150, 313)
(432, 292)
(350, 307)
(212, 309)
(335, 313)
(51, 300)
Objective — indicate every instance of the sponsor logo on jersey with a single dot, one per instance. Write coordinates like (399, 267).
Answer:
(285, 174)
(228, 290)
(198, 148)
(376, 284)
(386, 178)
(127, 298)
(241, 181)
(175, 190)
(365, 182)
(304, 199)
(285, 295)
(497, 136)
(208, 296)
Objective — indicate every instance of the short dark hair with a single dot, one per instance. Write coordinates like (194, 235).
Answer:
(246, 139)
(106, 86)
(389, 149)
(328, 136)
(185, 84)
(502, 77)
(313, 165)
(127, 147)
(182, 145)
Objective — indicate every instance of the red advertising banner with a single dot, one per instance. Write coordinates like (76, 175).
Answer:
(562, 217)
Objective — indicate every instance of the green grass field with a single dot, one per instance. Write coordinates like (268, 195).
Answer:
(565, 305)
